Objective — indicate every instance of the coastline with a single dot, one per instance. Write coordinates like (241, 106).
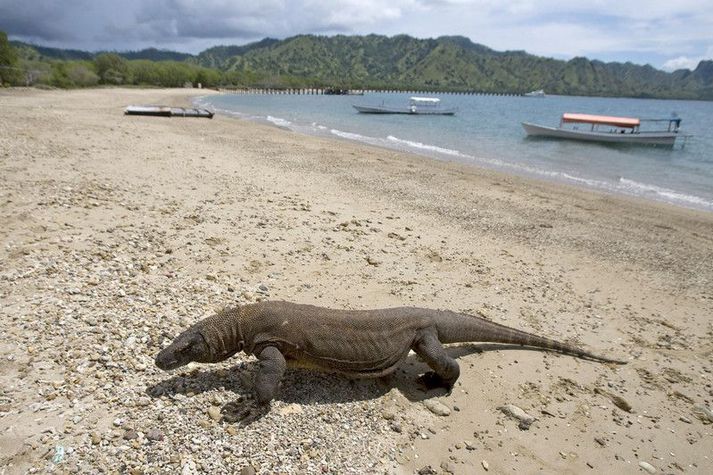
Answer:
(622, 171)
(121, 231)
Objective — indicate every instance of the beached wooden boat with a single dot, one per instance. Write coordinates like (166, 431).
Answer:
(537, 93)
(417, 106)
(599, 128)
(166, 111)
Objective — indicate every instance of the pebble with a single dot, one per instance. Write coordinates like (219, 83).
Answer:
(448, 467)
(96, 438)
(154, 435)
(427, 470)
(373, 262)
(647, 466)
(437, 407)
(485, 464)
(513, 411)
(131, 435)
(214, 413)
(703, 412)
(248, 470)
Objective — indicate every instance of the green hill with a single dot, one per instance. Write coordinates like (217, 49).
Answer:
(451, 63)
(448, 63)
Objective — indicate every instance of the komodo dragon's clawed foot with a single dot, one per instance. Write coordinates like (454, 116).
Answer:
(244, 411)
(432, 380)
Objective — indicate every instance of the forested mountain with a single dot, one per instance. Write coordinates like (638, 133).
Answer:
(454, 63)
(449, 63)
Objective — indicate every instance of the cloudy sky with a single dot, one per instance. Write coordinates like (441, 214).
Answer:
(667, 34)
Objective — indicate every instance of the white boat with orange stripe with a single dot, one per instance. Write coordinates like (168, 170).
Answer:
(601, 128)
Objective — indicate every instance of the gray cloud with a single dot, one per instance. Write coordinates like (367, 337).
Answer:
(645, 30)
(43, 19)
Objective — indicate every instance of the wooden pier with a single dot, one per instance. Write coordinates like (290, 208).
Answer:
(354, 92)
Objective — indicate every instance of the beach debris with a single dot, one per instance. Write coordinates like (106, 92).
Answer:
(166, 111)
(485, 464)
(647, 466)
(437, 407)
(58, 454)
(617, 400)
(515, 412)
(703, 412)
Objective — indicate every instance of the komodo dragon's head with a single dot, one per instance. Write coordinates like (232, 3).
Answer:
(187, 347)
(211, 340)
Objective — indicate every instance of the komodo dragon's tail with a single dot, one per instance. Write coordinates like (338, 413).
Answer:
(461, 328)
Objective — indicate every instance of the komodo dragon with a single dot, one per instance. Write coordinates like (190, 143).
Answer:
(357, 343)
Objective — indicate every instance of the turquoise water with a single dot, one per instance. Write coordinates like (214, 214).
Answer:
(486, 132)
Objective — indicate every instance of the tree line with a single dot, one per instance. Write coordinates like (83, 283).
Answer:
(26, 67)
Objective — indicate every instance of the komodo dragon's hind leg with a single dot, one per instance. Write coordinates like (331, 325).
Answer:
(267, 381)
(445, 369)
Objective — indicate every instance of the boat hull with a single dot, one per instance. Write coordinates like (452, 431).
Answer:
(640, 138)
(402, 110)
(165, 111)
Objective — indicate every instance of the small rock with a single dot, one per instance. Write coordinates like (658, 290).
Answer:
(96, 438)
(373, 262)
(388, 414)
(448, 467)
(263, 288)
(647, 466)
(248, 470)
(214, 413)
(485, 464)
(427, 470)
(437, 407)
(131, 435)
(469, 445)
(618, 401)
(396, 427)
(703, 413)
(290, 409)
(525, 419)
(154, 435)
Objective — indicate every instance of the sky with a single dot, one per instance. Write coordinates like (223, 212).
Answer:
(668, 34)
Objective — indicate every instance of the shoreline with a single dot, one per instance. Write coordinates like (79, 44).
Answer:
(624, 187)
(120, 231)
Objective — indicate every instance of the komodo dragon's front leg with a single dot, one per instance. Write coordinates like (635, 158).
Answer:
(272, 368)
(445, 369)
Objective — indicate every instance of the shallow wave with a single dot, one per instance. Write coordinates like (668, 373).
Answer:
(430, 148)
(280, 122)
(665, 194)
(349, 135)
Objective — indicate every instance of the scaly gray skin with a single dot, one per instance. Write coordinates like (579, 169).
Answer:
(357, 343)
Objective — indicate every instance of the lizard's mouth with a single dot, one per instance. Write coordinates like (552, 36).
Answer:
(167, 362)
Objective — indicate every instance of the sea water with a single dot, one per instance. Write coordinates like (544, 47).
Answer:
(486, 131)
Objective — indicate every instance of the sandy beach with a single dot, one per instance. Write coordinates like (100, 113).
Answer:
(118, 232)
